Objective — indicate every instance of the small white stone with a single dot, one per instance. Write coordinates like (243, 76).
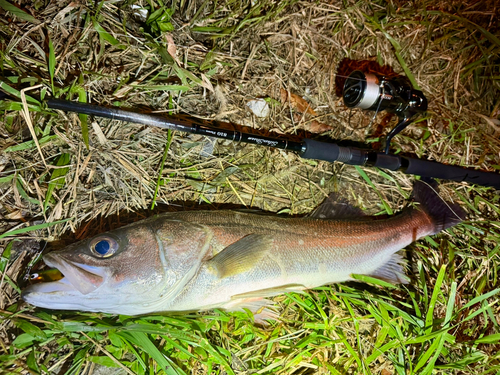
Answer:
(259, 107)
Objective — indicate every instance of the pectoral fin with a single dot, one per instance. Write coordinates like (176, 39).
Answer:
(242, 255)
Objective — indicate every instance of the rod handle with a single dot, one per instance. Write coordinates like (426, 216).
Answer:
(426, 168)
(332, 152)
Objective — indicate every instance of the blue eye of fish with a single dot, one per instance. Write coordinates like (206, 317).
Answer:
(103, 246)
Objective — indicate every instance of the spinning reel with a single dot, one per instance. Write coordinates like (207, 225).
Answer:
(396, 95)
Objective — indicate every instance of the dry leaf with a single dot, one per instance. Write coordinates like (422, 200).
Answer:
(60, 17)
(205, 82)
(171, 48)
(317, 127)
(312, 126)
(295, 101)
(15, 215)
(221, 98)
(125, 89)
(57, 211)
(98, 131)
(492, 122)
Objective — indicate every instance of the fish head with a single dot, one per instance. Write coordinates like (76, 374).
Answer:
(115, 271)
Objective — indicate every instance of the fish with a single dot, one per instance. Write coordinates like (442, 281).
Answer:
(201, 260)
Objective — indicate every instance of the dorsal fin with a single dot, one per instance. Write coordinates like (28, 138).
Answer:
(336, 208)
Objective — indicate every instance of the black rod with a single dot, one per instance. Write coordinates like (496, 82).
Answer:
(307, 148)
(190, 124)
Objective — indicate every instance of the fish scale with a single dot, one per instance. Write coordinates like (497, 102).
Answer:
(335, 250)
(200, 260)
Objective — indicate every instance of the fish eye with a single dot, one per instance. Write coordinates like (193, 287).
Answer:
(103, 246)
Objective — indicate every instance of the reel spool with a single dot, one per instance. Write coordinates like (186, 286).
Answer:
(371, 92)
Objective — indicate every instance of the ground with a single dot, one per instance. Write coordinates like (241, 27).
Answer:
(209, 59)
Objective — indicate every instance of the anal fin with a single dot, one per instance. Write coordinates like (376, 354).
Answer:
(263, 309)
(269, 292)
(392, 271)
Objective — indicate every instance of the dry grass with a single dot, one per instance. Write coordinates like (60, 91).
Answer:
(217, 58)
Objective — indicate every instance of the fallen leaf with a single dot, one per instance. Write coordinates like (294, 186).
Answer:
(318, 127)
(15, 215)
(100, 135)
(205, 82)
(171, 48)
(312, 126)
(295, 101)
(494, 123)
(221, 98)
(57, 211)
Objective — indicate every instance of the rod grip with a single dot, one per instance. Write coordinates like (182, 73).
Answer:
(387, 161)
(426, 168)
(333, 152)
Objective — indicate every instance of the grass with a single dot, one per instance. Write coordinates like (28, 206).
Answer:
(100, 174)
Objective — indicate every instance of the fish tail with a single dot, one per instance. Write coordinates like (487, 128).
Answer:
(443, 214)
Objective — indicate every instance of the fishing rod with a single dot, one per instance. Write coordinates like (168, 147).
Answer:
(361, 90)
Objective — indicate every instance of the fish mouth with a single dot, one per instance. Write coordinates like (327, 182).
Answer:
(82, 277)
(78, 277)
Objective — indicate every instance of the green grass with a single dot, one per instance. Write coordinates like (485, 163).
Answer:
(445, 321)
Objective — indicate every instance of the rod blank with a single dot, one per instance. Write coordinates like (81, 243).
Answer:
(307, 148)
